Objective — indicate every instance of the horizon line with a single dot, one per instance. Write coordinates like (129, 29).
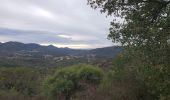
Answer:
(71, 46)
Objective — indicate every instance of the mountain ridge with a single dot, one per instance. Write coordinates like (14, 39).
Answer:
(33, 54)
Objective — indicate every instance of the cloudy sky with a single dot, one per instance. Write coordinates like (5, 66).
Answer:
(62, 23)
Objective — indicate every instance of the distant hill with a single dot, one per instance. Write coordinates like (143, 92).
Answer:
(20, 54)
(34, 49)
(107, 52)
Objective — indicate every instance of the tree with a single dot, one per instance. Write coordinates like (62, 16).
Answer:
(145, 30)
(140, 18)
(145, 26)
(67, 81)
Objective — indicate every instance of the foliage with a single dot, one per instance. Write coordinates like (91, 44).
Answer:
(21, 80)
(144, 30)
(67, 81)
(120, 83)
(144, 26)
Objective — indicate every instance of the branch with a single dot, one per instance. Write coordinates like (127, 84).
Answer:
(159, 9)
(168, 2)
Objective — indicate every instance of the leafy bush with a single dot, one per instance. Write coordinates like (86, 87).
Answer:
(67, 81)
(121, 83)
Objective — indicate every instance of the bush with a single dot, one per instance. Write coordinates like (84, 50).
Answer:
(67, 81)
(21, 80)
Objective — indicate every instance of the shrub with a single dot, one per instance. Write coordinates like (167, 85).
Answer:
(22, 80)
(67, 81)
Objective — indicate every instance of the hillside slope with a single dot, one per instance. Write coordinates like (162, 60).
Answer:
(20, 54)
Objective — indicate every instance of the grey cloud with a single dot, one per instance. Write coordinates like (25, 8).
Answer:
(42, 37)
(41, 21)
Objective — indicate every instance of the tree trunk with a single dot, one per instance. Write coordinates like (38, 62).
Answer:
(67, 97)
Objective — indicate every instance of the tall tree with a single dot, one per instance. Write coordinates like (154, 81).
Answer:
(139, 16)
(145, 29)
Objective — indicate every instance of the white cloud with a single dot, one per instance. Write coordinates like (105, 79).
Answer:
(74, 46)
(43, 13)
(64, 36)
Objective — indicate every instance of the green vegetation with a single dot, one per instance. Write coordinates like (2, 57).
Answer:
(66, 82)
(22, 80)
(19, 83)
(144, 32)
(118, 81)
(141, 72)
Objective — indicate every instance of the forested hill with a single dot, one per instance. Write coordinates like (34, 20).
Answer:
(32, 49)
(31, 54)
(10, 48)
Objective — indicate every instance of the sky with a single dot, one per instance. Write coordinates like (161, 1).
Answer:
(62, 23)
